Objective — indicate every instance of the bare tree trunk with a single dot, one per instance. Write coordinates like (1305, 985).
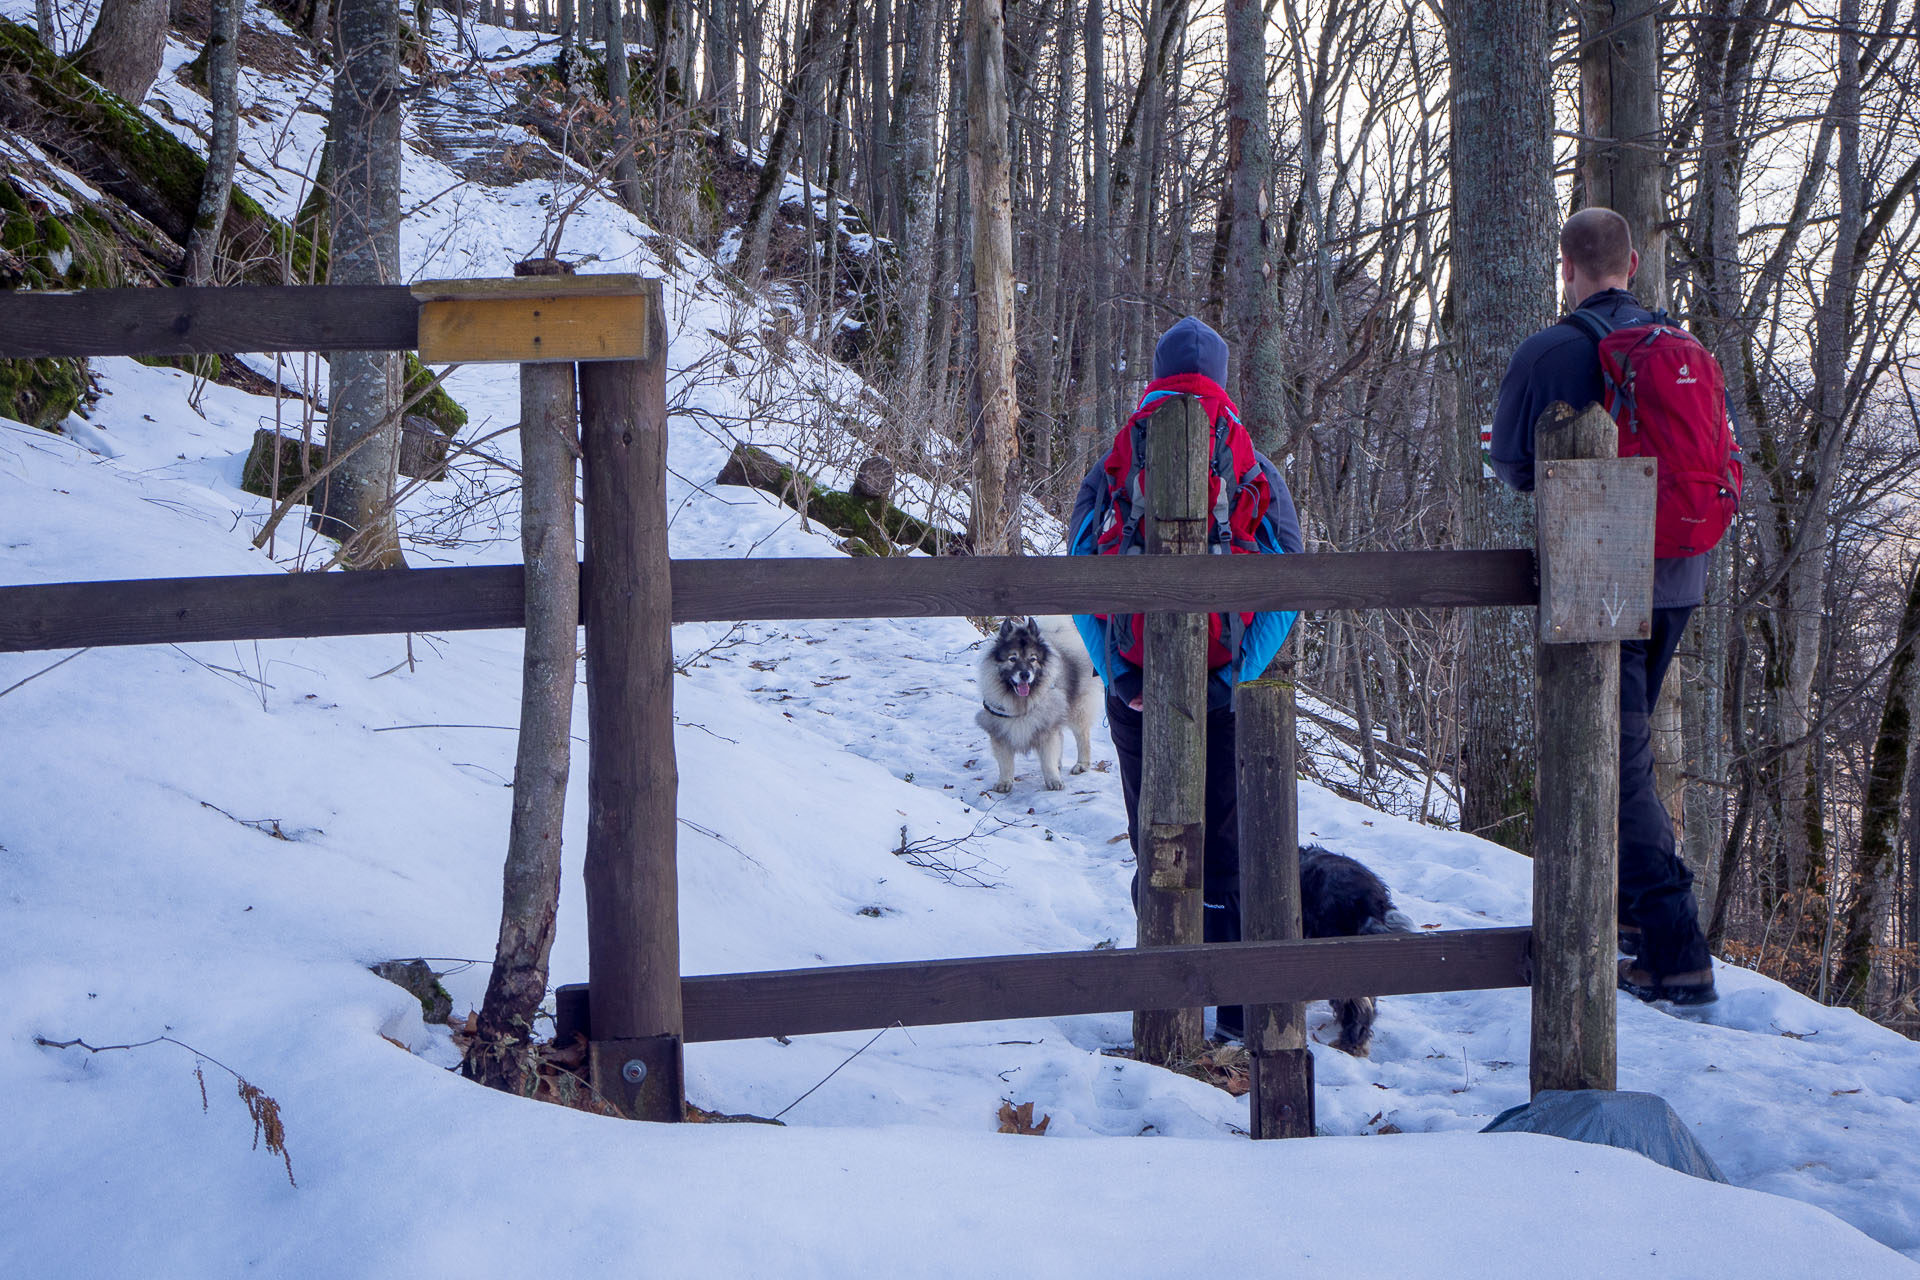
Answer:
(1099, 232)
(1803, 623)
(752, 41)
(829, 291)
(996, 482)
(363, 420)
(223, 91)
(757, 233)
(1503, 258)
(1622, 148)
(127, 46)
(43, 21)
(1869, 908)
(922, 201)
(1724, 66)
(626, 169)
(1622, 168)
(1252, 304)
(953, 305)
(722, 91)
(549, 448)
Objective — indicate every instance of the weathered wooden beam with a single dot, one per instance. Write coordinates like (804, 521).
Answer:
(632, 882)
(1280, 1101)
(272, 606)
(188, 321)
(920, 993)
(1170, 843)
(1577, 816)
(958, 586)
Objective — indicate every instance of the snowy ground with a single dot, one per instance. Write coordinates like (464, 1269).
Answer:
(211, 842)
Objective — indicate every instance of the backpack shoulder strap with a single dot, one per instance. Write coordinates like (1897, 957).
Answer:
(1591, 323)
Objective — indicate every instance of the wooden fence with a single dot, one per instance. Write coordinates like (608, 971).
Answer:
(637, 1008)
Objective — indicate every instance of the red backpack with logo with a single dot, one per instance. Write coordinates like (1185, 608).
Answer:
(1237, 488)
(1666, 392)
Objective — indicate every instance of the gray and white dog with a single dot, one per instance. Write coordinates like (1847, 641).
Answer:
(1036, 682)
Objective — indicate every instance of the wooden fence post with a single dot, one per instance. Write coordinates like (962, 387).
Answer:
(1280, 1102)
(1173, 767)
(633, 930)
(1595, 547)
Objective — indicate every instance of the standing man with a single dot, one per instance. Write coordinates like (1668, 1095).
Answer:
(1562, 363)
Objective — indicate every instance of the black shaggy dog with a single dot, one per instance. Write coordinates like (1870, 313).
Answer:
(1340, 898)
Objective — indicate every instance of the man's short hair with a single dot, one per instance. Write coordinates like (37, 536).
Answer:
(1597, 242)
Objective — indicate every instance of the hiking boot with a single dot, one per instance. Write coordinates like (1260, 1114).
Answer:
(1695, 987)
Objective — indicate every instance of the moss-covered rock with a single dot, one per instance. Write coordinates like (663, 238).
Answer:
(435, 405)
(295, 459)
(871, 526)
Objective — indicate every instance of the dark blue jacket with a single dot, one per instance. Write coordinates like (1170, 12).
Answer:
(1561, 363)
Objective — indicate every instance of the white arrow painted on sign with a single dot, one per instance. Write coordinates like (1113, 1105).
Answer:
(1614, 606)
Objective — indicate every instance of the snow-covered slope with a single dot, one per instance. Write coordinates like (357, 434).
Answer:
(209, 843)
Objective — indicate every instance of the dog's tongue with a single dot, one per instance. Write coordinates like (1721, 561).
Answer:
(1022, 688)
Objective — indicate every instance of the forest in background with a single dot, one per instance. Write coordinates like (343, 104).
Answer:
(1012, 200)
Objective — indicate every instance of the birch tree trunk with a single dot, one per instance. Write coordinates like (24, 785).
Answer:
(363, 420)
(996, 488)
(1503, 258)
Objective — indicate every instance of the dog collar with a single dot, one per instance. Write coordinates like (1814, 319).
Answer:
(1004, 715)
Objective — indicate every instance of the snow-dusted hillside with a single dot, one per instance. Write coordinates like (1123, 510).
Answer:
(210, 843)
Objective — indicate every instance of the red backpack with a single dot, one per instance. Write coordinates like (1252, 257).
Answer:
(1237, 487)
(1666, 392)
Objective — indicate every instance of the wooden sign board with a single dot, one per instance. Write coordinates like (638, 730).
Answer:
(534, 319)
(1595, 519)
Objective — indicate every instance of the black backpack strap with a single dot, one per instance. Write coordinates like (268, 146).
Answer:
(1591, 323)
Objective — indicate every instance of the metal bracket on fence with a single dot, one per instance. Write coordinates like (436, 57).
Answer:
(641, 1078)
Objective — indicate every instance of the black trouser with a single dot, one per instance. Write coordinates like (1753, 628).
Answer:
(1221, 886)
(1656, 888)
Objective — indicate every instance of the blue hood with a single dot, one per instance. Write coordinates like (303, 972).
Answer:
(1191, 346)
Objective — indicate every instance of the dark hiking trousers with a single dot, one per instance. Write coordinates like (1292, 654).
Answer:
(1221, 868)
(1656, 888)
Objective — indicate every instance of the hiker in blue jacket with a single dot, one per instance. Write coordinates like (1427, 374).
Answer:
(1190, 359)
(1562, 363)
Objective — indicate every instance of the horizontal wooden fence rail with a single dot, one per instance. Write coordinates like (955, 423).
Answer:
(747, 1006)
(277, 606)
(195, 321)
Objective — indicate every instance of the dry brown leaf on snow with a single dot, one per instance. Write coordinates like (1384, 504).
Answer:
(1020, 1119)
